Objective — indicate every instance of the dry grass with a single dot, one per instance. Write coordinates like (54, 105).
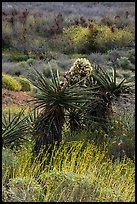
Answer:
(75, 172)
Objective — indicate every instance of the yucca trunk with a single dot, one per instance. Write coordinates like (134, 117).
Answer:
(48, 128)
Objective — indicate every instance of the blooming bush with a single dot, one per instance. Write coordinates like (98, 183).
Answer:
(9, 82)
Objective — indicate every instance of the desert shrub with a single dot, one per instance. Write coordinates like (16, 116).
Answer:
(68, 187)
(25, 83)
(123, 21)
(6, 35)
(9, 82)
(24, 189)
(15, 56)
(119, 21)
(61, 43)
(122, 128)
(95, 134)
(81, 38)
(65, 61)
(6, 41)
(97, 58)
(131, 55)
(125, 55)
(121, 139)
(96, 37)
(120, 134)
(10, 67)
(9, 160)
(52, 64)
(124, 62)
(55, 26)
(112, 55)
(106, 39)
(108, 21)
(16, 69)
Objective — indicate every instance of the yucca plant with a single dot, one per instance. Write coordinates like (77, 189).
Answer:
(32, 116)
(14, 128)
(75, 119)
(108, 90)
(109, 83)
(79, 73)
(54, 99)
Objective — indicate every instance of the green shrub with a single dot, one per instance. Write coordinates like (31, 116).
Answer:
(10, 83)
(34, 90)
(51, 65)
(24, 189)
(6, 35)
(19, 57)
(25, 83)
(9, 160)
(124, 62)
(96, 37)
(131, 56)
(106, 39)
(120, 135)
(16, 56)
(81, 39)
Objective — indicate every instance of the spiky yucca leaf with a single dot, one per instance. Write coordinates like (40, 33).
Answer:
(107, 89)
(32, 116)
(109, 83)
(51, 93)
(14, 127)
(54, 99)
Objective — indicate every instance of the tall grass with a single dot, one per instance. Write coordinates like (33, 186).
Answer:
(75, 172)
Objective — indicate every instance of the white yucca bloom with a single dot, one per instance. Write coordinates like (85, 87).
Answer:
(81, 68)
(81, 65)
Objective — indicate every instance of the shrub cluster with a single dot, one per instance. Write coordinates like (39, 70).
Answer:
(98, 38)
(10, 83)
(25, 83)
(81, 36)
(15, 83)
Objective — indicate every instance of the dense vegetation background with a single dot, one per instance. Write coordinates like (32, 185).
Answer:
(94, 160)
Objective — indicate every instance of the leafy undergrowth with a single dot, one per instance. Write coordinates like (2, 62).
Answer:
(75, 172)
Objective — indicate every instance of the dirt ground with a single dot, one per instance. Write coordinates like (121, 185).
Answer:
(16, 98)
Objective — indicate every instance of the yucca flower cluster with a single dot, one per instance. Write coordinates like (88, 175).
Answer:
(80, 69)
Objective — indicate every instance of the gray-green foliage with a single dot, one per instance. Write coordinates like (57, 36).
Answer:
(23, 189)
(125, 63)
